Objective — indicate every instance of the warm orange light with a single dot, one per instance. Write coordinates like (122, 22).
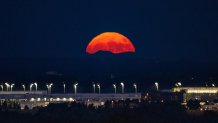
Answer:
(110, 41)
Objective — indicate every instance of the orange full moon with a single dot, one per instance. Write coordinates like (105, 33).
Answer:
(110, 41)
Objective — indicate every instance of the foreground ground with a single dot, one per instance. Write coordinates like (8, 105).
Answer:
(78, 113)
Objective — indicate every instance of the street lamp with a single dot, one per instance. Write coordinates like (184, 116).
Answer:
(64, 87)
(135, 86)
(75, 88)
(49, 87)
(178, 84)
(122, 87)
(93, 85)
(99, 88)
(2, 87)
(115, 88)
(31, 85)
(7, 86)
(213, 85)
(36, 85)
(12, 85)
(24, 88)
(156, 85)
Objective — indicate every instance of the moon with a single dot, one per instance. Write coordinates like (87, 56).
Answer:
(110, 41)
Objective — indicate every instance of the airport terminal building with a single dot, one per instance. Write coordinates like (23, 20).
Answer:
(200, 93)
(42, 98)
(184, 94)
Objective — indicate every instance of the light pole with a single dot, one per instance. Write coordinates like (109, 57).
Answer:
(36, 85)
(99, 88)
(2, 87)
(75, 88)
(7, 86)
(12, 85)
(115, 88)
(135, 86)
(64, 87)
(31, 85)
(156, 85)
(49, 87)
(24, 88)
(122, 87)
(178, 84)
(93, 85)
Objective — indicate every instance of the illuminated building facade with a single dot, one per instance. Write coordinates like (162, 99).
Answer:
(200, 93)
(42, 98)
(184, 94)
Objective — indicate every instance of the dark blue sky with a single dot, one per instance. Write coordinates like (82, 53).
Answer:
(174, 40)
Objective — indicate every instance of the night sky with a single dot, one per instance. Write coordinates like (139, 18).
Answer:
(45, 40)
